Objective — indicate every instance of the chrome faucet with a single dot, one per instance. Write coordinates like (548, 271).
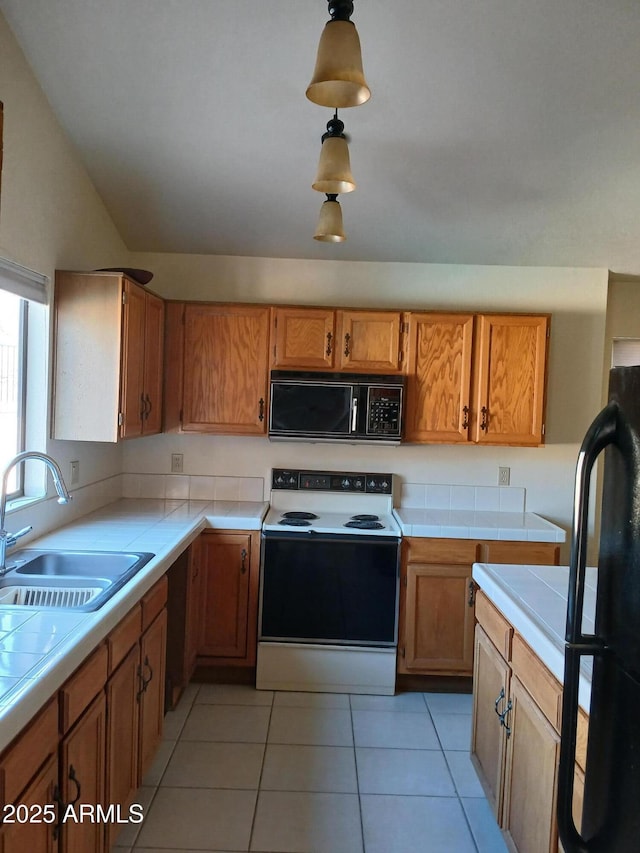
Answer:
(7, 540)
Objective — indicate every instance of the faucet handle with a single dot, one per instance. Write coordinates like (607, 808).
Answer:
(12, 538)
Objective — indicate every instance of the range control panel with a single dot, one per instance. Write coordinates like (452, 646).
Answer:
(332, 481)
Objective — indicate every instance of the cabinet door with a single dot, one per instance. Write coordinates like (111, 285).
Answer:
(304, 337)
(82, 774)
(132, 388)
(31, 836)
(438, 620)
(153, 349)
(123, 697)
(511, 359)
(153, 646)
(225, 368)
(369, 340)
(533, 750)
(227, 601)
(194, 596)
(491, 686)
(439, 377)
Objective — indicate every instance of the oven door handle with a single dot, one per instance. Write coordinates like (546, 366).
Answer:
(354, 414)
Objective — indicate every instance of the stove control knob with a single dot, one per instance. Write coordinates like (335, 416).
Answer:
(346, 483)
(357, 484)
(371, 484)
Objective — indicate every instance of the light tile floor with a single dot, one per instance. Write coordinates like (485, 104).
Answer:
(248, 770)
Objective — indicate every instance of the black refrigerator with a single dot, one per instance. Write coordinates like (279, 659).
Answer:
(611, 813)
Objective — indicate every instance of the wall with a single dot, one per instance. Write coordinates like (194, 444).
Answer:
(50, 218)
(575, 297)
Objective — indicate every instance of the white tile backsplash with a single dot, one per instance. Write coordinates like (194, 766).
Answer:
(458, 497)
(195, 488)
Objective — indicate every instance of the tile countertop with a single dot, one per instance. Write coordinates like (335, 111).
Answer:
(477, 524)
(534, 600)
(40, 649)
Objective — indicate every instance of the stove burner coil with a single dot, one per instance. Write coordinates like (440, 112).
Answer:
(365, 517)
(297, 514)
(365, 525)
(295, 522)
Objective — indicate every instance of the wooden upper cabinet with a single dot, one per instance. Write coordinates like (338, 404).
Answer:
(369, 341)
(304, 338)
(108, 358)
(439, 355)
(225, 368)
(510, 360)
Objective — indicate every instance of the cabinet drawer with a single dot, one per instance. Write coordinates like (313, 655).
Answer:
(494, 624)
(34, 746)
(83, 686)
(462, 551)
(123, 637)
(525, 553)
(542, 686)
(154, 601)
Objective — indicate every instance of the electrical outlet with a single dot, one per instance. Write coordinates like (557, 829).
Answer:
(176, 463)
(75, 472)
(504, 476)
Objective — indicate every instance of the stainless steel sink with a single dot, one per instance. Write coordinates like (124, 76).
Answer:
(77, 580)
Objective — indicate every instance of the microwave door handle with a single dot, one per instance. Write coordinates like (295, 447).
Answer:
(354, 414)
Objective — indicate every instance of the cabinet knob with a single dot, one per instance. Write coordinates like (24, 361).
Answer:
(347, 342)
(243, 557)
(329, 339)
(261, 409)
(465, 419)
(484, 422)
(472, 594)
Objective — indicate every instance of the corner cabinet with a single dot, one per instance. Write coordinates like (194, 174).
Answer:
(476, 378)
(223, 357)
(229, 598)
(108, 358)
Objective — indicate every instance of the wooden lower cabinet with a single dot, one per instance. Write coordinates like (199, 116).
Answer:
(31, 836)
(437, 596)
(533, 751)
(93, 742)
(152, 663)
(229, 598)
(82, 774)
(515, 744)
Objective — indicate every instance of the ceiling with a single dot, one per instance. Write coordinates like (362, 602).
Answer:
(498, 132)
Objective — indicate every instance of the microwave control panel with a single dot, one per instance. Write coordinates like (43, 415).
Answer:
(384, 410)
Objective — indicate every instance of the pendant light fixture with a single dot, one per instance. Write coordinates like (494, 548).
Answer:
(334, 168)
(338, 79)
(329, 229)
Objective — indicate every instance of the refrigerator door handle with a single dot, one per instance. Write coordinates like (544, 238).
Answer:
(601, 433)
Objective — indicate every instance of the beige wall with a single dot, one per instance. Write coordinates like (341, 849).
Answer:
(50, 217)
(575, 297)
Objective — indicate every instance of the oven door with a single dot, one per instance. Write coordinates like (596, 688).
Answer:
(326, 588)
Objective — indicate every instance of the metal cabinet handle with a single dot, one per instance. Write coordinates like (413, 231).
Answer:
(503, 718)
(243, 557)
(143, 683)
(142, 407)
(465, 419)
(329, 339)
(484, 423)
(147, 681)
(72, 776)
(261, 409)
(149, 407)
(472, 594)
(497, 702)
(347, 341)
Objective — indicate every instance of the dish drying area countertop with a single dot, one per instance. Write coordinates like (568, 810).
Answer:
(40, 648)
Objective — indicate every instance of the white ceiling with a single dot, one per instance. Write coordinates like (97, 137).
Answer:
(498, 131)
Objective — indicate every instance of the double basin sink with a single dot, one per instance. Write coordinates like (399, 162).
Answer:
(77, 580)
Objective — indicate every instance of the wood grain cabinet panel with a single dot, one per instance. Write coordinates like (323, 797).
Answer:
(439, 351)
(34, 837)
(304, 338)
(152, 669)
(511, 361)
(108, 346)
(369, 341)
(225, 368)
(229, 598)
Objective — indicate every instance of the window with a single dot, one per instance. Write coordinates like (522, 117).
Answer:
(20, 289)
(13, 326)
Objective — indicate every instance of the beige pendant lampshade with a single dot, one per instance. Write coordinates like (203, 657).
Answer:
(338, 79)
(330, 229)
(334, 169)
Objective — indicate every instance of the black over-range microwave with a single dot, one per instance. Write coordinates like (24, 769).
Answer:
(346, 407)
